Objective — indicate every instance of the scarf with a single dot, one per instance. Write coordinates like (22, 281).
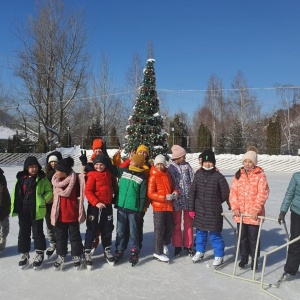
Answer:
(136, 169)
(65, 187)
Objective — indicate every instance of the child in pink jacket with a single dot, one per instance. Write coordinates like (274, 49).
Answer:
(248, 194)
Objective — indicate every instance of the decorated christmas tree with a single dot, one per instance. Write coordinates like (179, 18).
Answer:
(146, 124)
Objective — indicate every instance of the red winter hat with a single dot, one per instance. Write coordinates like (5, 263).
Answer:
(177, 151)
(97, 143)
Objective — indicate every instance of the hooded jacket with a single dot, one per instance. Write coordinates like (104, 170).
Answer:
(5, 201)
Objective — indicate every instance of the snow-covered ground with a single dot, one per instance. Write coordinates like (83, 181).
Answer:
(149, 279)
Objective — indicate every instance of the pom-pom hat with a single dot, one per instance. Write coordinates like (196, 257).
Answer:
(177, 151)
(97, 143)
(251, 154)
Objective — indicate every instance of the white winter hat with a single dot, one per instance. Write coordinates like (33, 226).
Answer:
(160, 159)
(251, 154)
(52, 158)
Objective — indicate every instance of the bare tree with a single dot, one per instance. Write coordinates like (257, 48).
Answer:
(52, 65)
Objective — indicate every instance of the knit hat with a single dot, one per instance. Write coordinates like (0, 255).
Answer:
(97, 143)
(65, 165)
(177, 151)
(100, 158)
(138, 159)
(251, 154)
(160, 159)
(208, 155)
(142, 148)
(31, 160)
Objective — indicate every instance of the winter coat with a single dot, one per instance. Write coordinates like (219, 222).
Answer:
(132, 188)
(159, 185)
(248, 194)
(5, 201)
(182, 177)
(43, 194)
(80, 202)
(292, 195)
(99, 187)
(208, 191)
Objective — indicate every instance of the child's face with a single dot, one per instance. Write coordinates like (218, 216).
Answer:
(248, 164)
(179, 160)
(97, 151)
(208, 164)
(160, 167)
(53, 164)
(32, 170)
(60, 175)
(141, 152)
(100, 167)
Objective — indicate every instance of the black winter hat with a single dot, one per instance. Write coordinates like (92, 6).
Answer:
(65, 165)
(31, 160)
(208, 155)
(100, 158)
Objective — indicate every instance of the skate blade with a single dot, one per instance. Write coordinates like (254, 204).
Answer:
(36, 268)
(159, 260)
(88, 267)
(77, 267)
(111, 263)
(60, 268)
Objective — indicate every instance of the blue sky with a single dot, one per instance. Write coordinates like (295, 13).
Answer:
(192, 39)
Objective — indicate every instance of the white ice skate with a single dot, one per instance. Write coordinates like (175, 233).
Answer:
(161, 257)
(217, 261)
(197, 257)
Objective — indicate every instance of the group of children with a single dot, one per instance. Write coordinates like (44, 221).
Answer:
(181, 200)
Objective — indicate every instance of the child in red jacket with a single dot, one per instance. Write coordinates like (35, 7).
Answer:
(160, 189)
(99, 190)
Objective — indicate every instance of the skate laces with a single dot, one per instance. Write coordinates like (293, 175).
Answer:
(76, 259)
(38, 257)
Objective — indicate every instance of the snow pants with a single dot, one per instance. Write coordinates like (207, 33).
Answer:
(293, 259)
(184, 238)
(248, 240)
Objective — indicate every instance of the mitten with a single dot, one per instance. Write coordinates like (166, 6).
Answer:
(104, 149)
(192, 214)
(169, 197)
(174, 196)
(83, 158)
(281, 217)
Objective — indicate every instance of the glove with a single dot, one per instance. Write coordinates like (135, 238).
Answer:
(192, 214)
(175, 196)
(104, 149)
(169, 197)
(83, 158)
(281, 217)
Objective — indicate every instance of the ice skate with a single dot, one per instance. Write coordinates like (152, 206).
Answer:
(2, 243)
(165, 250)
(24, 262)
(285, 277)
(95, 244)
(77, 262)
(118, 255)
(189, 251)
(177, 252)
(197, 257)
(38, 259)
(243, 262)
(134, 257)
(59, 263)
(88, 259)
(217, 261)
(161, 257)
(108, 256)
(252, 264)
(50, 250)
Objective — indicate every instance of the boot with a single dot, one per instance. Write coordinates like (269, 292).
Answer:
(38, 259)
(244, 261)
(59, 263)
(88, 259)
(108, 256)
(24, 262)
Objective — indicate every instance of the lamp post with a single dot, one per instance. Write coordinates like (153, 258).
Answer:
(172, 129)
(68, 130)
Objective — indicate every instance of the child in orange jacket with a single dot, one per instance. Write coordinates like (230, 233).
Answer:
(161, 193)
(248, 194)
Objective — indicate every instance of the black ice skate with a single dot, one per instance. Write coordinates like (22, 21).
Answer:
(189, 251)
(77, 262)
(177, 252)
(24, 262)
(108, 256)
(244, 262)
(118, 255)
(50, 250)
(134, 257)
(59, 263)
(88, 259)
(38, 259)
